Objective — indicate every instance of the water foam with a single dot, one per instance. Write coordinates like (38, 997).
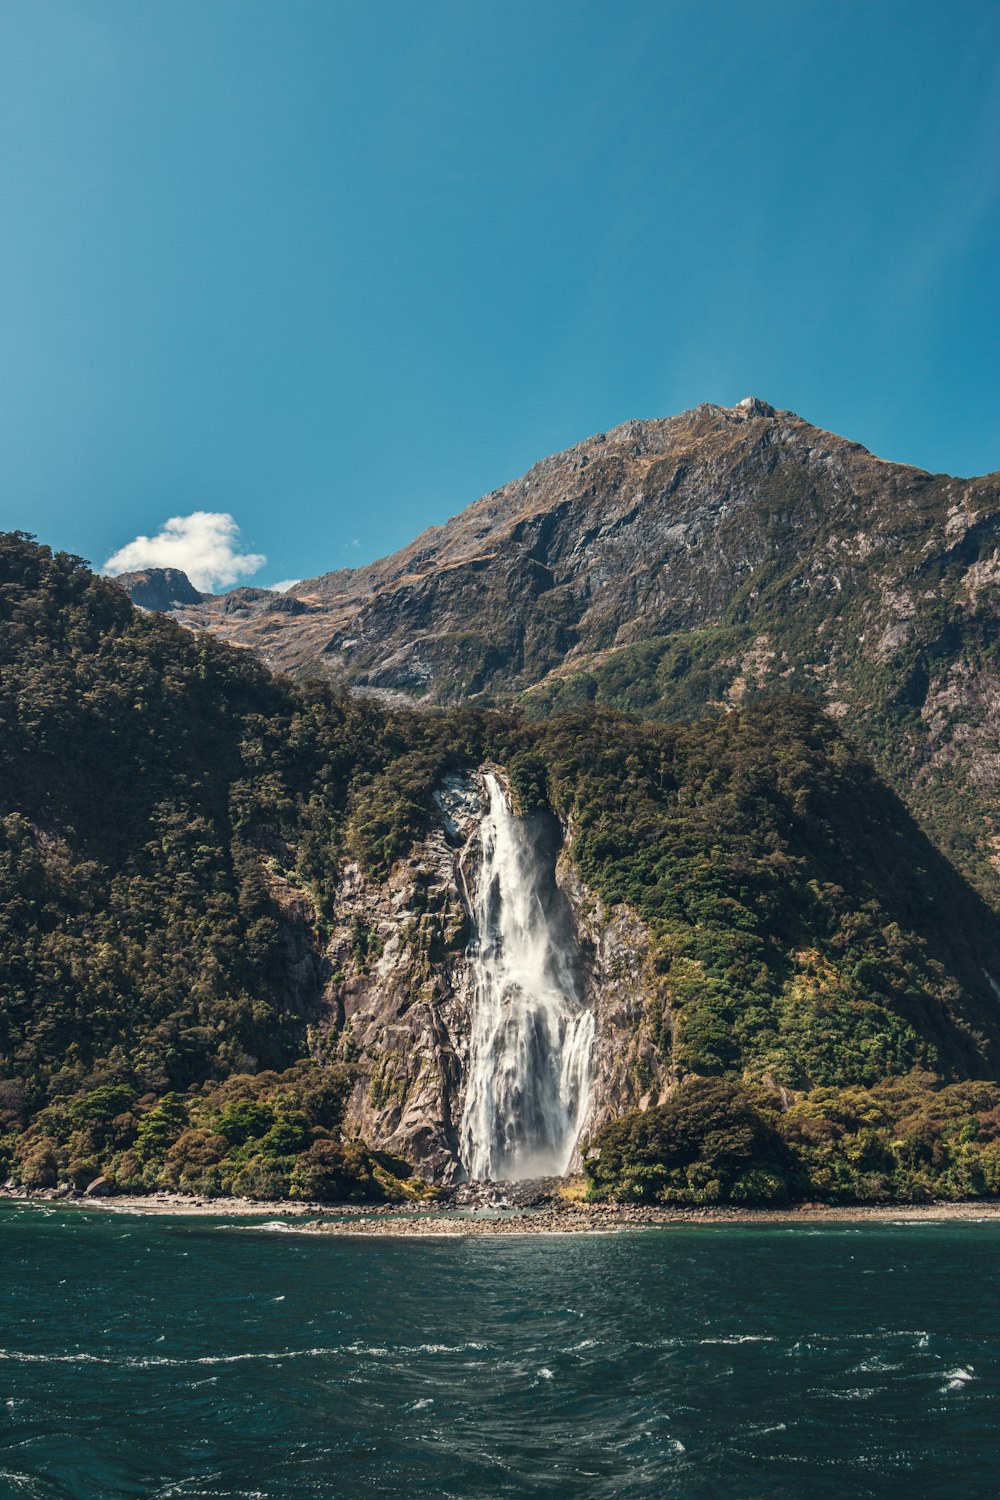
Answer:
(529, 1070)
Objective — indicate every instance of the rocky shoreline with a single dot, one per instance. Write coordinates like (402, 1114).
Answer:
(488, 1210)
(581, 1218)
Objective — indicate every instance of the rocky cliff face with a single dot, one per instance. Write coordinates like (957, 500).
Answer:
(681, 566)
(161, 589)
(399, 993)
(397, 996)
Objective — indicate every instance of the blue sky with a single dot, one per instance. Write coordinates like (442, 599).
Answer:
(336, 269)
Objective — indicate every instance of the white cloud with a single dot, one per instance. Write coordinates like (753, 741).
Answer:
(205, 545)
(283, 586)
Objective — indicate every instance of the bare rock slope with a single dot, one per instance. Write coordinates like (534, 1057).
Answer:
(679, 566)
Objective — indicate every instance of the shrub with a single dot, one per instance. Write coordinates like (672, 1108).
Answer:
(331, 1171)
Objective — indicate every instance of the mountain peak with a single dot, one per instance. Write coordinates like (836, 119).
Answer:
(160, 589)
(753, 406)
(719, 525)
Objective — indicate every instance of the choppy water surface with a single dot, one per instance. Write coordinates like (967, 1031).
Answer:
(169, 1357)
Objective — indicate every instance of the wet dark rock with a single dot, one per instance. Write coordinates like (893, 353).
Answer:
(538, 1192)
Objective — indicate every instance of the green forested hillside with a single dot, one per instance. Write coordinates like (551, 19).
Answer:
(159, 1002)
(807, 927)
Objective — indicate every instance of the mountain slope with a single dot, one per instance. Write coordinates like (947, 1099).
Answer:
(232, 935)
(681, 566)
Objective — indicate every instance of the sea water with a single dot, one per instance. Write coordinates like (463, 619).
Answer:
(154, 1356)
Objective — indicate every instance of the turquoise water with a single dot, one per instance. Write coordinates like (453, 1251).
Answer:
(183, 1357)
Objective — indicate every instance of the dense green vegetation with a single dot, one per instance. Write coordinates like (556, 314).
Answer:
(807, 930)
(151, 781)
(904, 1140)
(162, 1003)
(262, 1135)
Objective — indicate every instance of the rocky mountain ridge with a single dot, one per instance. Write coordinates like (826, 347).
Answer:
(687, 565)
(654, 526)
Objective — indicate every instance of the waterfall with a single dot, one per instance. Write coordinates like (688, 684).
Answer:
(528, 1075)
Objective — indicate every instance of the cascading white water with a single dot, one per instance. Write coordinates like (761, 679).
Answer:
(528, 1075)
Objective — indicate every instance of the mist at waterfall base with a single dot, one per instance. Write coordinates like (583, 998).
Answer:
(157, 1357)
(528, 1073)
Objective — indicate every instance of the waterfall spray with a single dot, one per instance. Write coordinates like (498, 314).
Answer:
(528, 1075)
